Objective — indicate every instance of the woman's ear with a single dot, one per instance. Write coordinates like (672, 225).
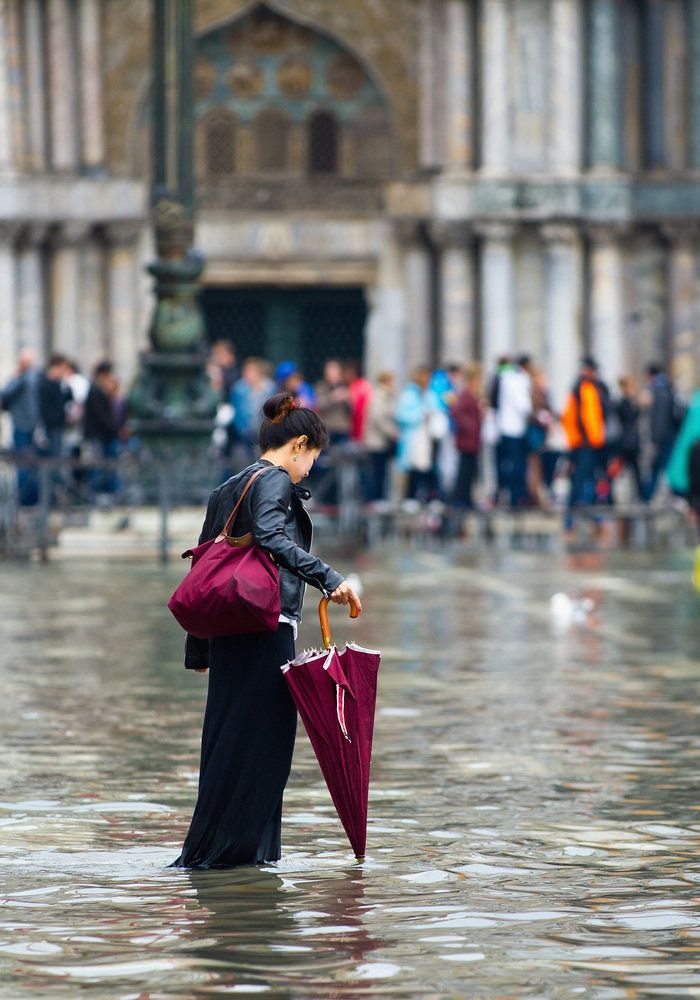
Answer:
(302, 441)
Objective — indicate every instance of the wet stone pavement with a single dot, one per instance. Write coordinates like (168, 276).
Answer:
(534, 814)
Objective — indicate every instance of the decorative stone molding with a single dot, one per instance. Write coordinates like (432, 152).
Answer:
(451, 234)
(123, 234)
(559, 234)
(496, 232)
(9, 231)
(682, 234)
(33, 235)
(607, 235)
(69, 235)
(407, 231)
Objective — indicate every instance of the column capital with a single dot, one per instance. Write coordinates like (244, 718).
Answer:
(681, 234)
(33, 234)
(608, 234)
(451, 234)
(407, 231)
(495, 231)
(123, 233)
(9, 230)
(69, 234)
(559, 234)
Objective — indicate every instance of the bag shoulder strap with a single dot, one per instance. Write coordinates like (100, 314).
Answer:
(232, 516)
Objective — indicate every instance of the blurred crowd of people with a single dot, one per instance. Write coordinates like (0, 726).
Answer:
(450, 435)
(468, 440)
(57, 411)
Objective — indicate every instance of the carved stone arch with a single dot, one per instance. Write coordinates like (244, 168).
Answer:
(314, 25)
(383, 38)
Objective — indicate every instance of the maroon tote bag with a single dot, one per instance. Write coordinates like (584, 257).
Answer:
(232, 586)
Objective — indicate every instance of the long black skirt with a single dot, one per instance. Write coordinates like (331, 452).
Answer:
(247, 744)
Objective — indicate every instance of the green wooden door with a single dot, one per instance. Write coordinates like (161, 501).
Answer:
(306, 325)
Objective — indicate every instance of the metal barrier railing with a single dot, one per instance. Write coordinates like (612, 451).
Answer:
(40, 494)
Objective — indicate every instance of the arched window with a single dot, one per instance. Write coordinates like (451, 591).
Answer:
(218, 145)
(272, 142)
(323, 143)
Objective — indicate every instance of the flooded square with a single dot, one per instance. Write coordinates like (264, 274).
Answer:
(534, 814)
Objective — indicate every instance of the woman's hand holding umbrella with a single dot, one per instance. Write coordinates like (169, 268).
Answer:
(345, 594)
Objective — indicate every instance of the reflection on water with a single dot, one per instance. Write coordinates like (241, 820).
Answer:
(534, 817)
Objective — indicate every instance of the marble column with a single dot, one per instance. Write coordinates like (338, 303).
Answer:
(495, 146)
(63, 123)
(93, 300)
(91, 103)
(497, 284)
(6, 159)
(432, 76)
(458, 57)
(694, 83)
(563, 331)
(12, 29)
(35, 84)
(566, 95)
(683, 316)
(65, 269)
(385, 326)
(653, 98)
(125, 337)
(417, 347)
(457, 322)
(31, 304)
(9, 341)
(605, 127)
(606, 308)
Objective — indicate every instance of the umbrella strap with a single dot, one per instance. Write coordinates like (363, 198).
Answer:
(340, 710)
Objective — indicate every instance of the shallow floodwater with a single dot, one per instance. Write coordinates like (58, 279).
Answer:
(534, 814)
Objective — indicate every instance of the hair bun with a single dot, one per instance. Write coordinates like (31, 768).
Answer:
(278, 407)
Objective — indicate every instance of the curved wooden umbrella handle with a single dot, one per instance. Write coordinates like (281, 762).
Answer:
(323, 617)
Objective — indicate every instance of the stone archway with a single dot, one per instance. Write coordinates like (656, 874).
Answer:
(383, 40)
(278, 79)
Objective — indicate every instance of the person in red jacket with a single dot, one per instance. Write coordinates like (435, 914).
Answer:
(360, 390)
(467, 412)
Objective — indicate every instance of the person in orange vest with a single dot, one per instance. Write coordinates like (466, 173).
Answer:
(583, 421)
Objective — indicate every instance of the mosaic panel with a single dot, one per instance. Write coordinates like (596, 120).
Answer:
(267, 61)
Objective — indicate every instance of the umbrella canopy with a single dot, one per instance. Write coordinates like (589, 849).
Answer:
(335, 693)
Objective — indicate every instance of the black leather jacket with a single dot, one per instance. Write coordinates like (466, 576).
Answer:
(274, 512)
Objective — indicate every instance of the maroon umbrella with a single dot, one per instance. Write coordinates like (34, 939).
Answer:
(335, 693)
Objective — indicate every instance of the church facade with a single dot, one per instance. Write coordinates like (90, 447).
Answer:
(401, 181)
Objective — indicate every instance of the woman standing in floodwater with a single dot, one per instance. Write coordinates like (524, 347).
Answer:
(250, 718)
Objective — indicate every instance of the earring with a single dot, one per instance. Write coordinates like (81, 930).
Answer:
(294, 458)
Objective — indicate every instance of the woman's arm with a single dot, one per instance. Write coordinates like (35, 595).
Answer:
(271, 498)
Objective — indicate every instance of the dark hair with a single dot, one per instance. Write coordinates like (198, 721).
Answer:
(103, 368)
(283, 420)
(654, 368)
